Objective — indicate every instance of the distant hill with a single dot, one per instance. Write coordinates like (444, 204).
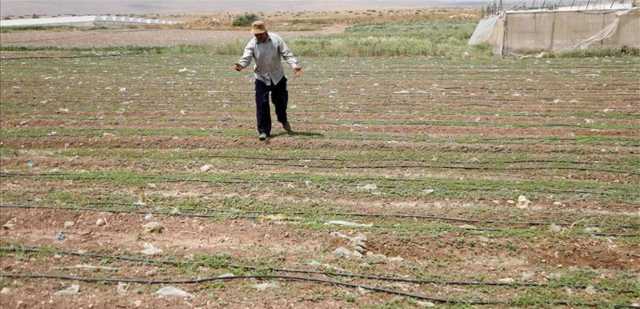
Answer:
(82, 7)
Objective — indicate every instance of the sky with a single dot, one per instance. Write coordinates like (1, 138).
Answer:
(93, 7)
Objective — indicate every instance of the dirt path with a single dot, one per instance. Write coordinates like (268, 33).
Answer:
(138, 37)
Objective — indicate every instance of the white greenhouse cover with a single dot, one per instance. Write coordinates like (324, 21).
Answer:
(81, 20)
(514, 32)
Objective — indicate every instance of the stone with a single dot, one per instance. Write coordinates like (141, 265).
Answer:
(74, 289)
(523, 202)
(10, 224)
(171, 291)
(95, 268)
(507, 280)
(343, 252)
(226, 275)
(396, 259)
(265, 286)
(347, 223)
(592, 230)
(467, 227)
(60, 236)
(555, 228)
(148, 217)
(122, 288)
(590, 290)
(205, 168)
(314, 263)
(101, 222)
(360, 248)
(362, 291)
(425, 304)
(150, 249)
(527, 276)
(5, 291)
(68, 224)
(376, 257)
(368, 187)
(153, 227)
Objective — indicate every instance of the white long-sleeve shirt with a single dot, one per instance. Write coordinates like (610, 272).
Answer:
(268, 67)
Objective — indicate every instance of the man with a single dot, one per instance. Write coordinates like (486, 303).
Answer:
(267, 49)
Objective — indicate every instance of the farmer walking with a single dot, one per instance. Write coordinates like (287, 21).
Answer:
(267, 49)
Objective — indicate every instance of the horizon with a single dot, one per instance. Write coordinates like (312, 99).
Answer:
(79, 7)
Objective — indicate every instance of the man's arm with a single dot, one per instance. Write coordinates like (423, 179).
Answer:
(288, 56)
(247, 55)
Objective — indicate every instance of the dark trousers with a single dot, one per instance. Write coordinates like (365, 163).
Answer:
(279, 97)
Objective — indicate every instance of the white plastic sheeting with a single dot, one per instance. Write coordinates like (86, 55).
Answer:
(90, 20)
(485, 29)
(514, 32)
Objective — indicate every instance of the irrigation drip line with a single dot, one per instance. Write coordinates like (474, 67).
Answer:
(482, 168)
(325, 273)
(239, 157)
(152, 177)
(67, 57)
(362, 138)
(69, 176)
(114, 280)
(257, 214)
(408, 166)
(260, 214)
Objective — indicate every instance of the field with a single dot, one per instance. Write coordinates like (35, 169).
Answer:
(415, 177)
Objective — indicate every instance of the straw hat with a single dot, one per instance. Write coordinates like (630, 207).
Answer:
(258, 27)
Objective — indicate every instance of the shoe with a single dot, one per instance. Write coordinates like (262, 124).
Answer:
(262, 136)
(287, 127)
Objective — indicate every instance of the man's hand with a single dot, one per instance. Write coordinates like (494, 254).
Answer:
(297, 71)
(238, 67)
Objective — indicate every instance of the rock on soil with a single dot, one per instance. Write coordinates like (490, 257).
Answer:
(153, 227)
(343, 252)
(101, 222)
(123, 288)
(265, 286)
(150, 249)
(523, 202)
(10, 224)
(170, 291)
(347, 223)
(72, 290)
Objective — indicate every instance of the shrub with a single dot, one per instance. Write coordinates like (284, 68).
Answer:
(244, 20)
